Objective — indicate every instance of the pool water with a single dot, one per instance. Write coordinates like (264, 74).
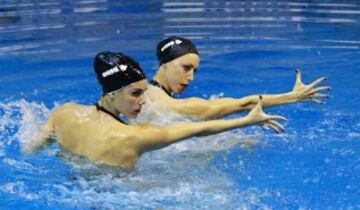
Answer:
(246, 47)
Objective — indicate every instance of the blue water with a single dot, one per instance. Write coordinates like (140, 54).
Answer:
(247, 47)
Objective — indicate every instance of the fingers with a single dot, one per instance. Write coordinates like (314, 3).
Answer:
(273, 127)
(318, 81)
(314, 99)
(260, 102)
(315, 90)
(277, 117)
(298, 77)
(320, 95)
(277, 124)
(318, 101)
(322, 88)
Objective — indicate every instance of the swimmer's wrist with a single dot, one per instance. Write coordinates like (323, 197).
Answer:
(292, 96)
(247, 120)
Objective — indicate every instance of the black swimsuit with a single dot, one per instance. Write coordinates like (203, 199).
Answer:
(156, 83)
(100, 108)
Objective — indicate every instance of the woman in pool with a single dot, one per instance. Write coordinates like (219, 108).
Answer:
(98, 133)
(179, 61)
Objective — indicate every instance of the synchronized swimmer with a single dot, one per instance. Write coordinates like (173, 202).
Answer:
(179, 60)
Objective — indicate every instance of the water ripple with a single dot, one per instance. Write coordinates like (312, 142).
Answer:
(88, 21)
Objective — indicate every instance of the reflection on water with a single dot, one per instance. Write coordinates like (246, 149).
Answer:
(51, 29)
(7, 20)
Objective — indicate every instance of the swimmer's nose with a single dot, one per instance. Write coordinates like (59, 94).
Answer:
(142, 101)
(191, 76)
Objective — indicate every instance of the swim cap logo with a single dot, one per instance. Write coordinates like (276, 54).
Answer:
(114, 70)
(123, 67)
(110, 72)
(171, 43)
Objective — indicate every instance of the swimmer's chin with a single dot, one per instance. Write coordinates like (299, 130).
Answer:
(133, 115)
(178, 91)
(180, 88)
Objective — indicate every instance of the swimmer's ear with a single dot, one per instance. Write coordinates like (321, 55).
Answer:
(110, 97)
(164, 65)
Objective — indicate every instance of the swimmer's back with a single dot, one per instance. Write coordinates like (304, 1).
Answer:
(86, 131)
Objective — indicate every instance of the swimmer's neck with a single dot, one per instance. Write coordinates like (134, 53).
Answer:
(160, 77)
(105, 104)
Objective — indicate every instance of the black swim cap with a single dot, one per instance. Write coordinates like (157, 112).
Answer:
(174, 47)
(115, 70)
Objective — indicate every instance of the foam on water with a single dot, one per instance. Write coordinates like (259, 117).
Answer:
(21, 120)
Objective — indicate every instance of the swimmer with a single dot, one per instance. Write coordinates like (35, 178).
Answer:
(98, 133)
(179, 61)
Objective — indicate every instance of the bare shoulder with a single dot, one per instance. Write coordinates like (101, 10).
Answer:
(72, 108)
(72, 105)
(156, 94)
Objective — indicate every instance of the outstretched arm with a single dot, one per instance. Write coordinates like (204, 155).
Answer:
(150, 137)
(212, 109)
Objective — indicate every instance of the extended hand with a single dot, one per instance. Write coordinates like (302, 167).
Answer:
(258, 116)
(309, 92)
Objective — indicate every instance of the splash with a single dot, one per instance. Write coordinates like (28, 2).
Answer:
(155, 114)
(21, 120)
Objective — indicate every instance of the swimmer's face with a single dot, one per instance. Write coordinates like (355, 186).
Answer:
(180, 71)
(129, 100)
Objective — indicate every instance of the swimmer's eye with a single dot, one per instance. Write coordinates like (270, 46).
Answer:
(187, 67)
(137, 93)
(195, 70)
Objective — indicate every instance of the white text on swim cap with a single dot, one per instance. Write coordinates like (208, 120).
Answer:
(123, 67)
(171, 43)
(114, 70)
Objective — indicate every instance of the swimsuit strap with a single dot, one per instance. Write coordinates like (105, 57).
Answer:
(156, 83)
(100, 108)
